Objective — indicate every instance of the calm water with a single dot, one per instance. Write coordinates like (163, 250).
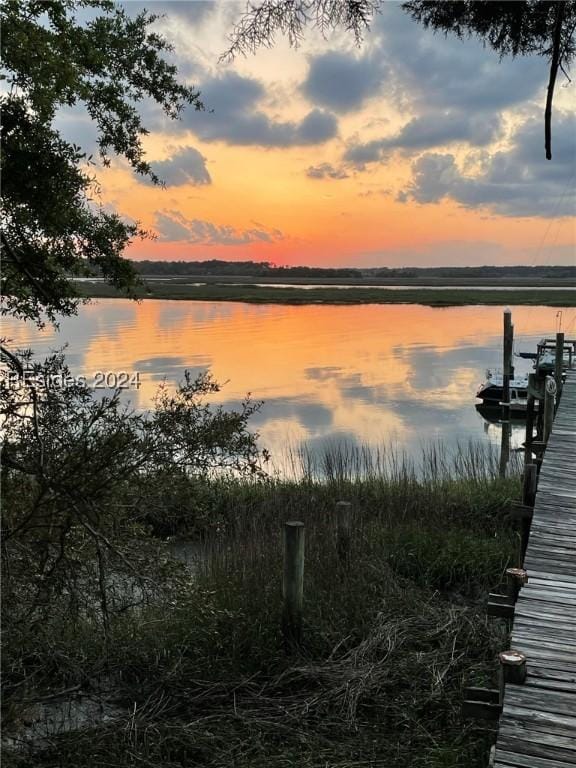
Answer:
(372, 374)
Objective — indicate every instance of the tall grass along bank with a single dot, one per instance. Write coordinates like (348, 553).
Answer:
(192, 668)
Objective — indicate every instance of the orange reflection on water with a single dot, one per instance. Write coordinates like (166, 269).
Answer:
(369, 372)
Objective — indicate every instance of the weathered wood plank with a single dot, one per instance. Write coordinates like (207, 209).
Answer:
(538, 723)
(510, 760)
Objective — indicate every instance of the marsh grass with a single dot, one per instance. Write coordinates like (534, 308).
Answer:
(254, 294)
(391, 635)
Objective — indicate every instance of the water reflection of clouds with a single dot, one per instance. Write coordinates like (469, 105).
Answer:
(312, 415)
(171, 369)
(323, 374)
(174, 313)
(433, 369)
(326, 373)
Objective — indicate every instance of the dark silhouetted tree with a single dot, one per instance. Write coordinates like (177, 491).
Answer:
(59, 54)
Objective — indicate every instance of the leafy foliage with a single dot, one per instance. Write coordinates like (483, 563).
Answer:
(511, 29)
(110, 64)
(78, 471)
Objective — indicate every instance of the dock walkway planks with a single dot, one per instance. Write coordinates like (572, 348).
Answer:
(538, 723)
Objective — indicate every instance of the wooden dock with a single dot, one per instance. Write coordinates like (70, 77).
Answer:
(538, 723)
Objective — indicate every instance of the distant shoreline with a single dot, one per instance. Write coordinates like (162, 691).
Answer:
(382, 282)
(219, 289)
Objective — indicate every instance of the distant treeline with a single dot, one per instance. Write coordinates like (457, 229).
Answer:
(558, 272)
(266, 269)
(238, 268)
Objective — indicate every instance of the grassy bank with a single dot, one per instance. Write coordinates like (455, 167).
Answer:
(253, 294)
(200, 677)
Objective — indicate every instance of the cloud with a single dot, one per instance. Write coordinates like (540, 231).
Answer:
(316, 127)
(425, 132)
(436, 129)
(187, 166)
(343, 82)
(444, 72)
(192, 13)
(232, 116)
(173, 226)
(456, 89)
(518, 182)
(326, 171)
(361, 154)
(382, 192)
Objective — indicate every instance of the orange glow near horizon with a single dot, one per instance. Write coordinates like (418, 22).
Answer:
(330, 223)
(353, 217)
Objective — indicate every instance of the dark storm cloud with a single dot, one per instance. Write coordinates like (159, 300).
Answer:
(172, 226)
(343, 82)
(232, 116)
(187, 166)
(518, 182)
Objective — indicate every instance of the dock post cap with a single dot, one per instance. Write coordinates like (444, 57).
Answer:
(294, 523)
(518, 574)
(512, 658)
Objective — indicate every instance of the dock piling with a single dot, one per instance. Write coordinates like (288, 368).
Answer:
(513, 667)
(293, 584)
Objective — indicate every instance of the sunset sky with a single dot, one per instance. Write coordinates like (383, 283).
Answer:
(412, 149)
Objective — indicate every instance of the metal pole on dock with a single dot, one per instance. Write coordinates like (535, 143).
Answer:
(293, 583)
(559, 363)
(508, 342)
(549, 398)
(530, 412)
(507, 372)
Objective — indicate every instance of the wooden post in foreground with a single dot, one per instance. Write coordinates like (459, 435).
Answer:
(516, 578)
(505, 445)
(513, 667)
(529, 487)
(343, 529)
(529, 437)
(529, 484)
(559, 363)
(293, 583)
(549, 398)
